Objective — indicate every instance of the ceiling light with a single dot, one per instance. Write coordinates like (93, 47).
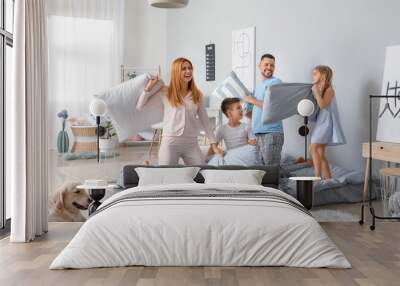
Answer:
(168, 3)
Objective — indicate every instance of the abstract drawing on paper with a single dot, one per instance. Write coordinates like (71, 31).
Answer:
(243, 55)
(389, 108)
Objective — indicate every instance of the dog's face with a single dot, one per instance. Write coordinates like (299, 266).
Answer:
(72, 198)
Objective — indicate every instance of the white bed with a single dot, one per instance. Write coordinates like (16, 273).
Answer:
(264, 229)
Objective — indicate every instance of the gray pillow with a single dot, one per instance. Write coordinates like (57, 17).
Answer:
(280, 100)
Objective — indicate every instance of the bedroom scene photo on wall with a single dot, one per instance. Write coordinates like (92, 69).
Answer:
(145, 117)
(199, 142)
(245, 172)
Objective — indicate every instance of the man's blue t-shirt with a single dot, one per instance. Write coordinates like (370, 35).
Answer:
(256, 122)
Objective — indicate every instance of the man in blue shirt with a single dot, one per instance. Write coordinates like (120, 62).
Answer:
(269, 136)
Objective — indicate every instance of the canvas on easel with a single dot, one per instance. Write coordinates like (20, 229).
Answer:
(388, 129)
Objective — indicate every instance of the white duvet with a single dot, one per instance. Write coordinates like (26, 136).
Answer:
(200, 231)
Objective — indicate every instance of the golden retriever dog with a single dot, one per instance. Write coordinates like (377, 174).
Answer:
(66, 203)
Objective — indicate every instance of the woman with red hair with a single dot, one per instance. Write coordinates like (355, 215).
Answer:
(183, 111)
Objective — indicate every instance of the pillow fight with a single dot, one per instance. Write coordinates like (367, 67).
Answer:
(258, 143)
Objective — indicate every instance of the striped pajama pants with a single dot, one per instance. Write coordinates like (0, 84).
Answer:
(269, 148)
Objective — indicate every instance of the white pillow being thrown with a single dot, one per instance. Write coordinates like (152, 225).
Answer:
(248, 177)
(121, 106)
(166, 176)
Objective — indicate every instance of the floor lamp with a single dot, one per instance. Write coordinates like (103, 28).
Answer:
(305, 108)
(98, 109)
(304, 185)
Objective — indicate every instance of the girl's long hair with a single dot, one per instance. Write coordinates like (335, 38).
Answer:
(326, 77)
(176, 85)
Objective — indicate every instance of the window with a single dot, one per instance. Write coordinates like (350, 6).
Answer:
(9, 19)
(6, 65)
(80, 65)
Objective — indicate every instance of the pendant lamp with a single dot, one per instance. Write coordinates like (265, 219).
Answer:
(168, 3)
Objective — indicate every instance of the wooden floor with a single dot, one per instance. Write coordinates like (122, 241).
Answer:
(374, 255)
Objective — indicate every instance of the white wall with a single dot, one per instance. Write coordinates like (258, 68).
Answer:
(350, 36)
(145, 32)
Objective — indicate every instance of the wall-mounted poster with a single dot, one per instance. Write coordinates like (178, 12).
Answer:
(243, 55)
(389, 108)
(210, 62)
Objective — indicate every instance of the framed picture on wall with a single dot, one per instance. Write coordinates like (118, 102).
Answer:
(388, 129)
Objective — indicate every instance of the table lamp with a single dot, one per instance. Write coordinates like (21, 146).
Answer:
(98, 108)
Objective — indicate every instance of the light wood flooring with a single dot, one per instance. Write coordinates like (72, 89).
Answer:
(374, 255)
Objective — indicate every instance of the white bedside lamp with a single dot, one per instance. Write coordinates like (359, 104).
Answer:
(98, 108)
(305, 108)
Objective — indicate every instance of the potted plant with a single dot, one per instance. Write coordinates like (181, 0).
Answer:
(108, 140)
(62, 138)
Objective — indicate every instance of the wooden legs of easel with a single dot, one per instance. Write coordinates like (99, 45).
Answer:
(366, 181)
(365, 190)
(153, 140)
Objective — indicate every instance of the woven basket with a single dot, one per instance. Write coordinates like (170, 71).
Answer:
(85, 138)
(86, 131)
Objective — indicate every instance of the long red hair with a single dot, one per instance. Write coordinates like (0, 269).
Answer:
(176, 85)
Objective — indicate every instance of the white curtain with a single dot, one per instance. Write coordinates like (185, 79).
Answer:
(85, 54)
(27, 117)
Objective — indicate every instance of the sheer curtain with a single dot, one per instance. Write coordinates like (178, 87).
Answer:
(27, 135)
(85, 53)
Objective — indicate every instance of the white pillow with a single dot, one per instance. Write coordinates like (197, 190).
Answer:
(231, 87)
(248, 177)
(166, 176)
(121, 107)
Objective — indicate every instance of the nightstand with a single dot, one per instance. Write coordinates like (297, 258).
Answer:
(304, 190)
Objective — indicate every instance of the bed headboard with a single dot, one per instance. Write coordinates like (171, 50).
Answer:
(129, 178)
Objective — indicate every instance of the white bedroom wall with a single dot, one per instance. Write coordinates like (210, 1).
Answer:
(145, 33)
(350, 36)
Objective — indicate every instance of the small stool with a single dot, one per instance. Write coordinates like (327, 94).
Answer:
(304, 190)
(157, 128)
(390, 196)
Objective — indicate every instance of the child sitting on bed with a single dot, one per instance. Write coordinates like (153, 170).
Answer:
(237, 137)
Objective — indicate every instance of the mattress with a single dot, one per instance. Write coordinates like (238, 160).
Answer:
(201, 225)
(345, 187)
(348, 193)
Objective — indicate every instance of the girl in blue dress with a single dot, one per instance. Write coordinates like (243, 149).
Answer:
(328, 130)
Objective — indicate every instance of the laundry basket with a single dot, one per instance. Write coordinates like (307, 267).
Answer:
(85, 138)
(390, 191)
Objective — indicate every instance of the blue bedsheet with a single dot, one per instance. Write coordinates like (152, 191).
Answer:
(345, 187)
(244, 156)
